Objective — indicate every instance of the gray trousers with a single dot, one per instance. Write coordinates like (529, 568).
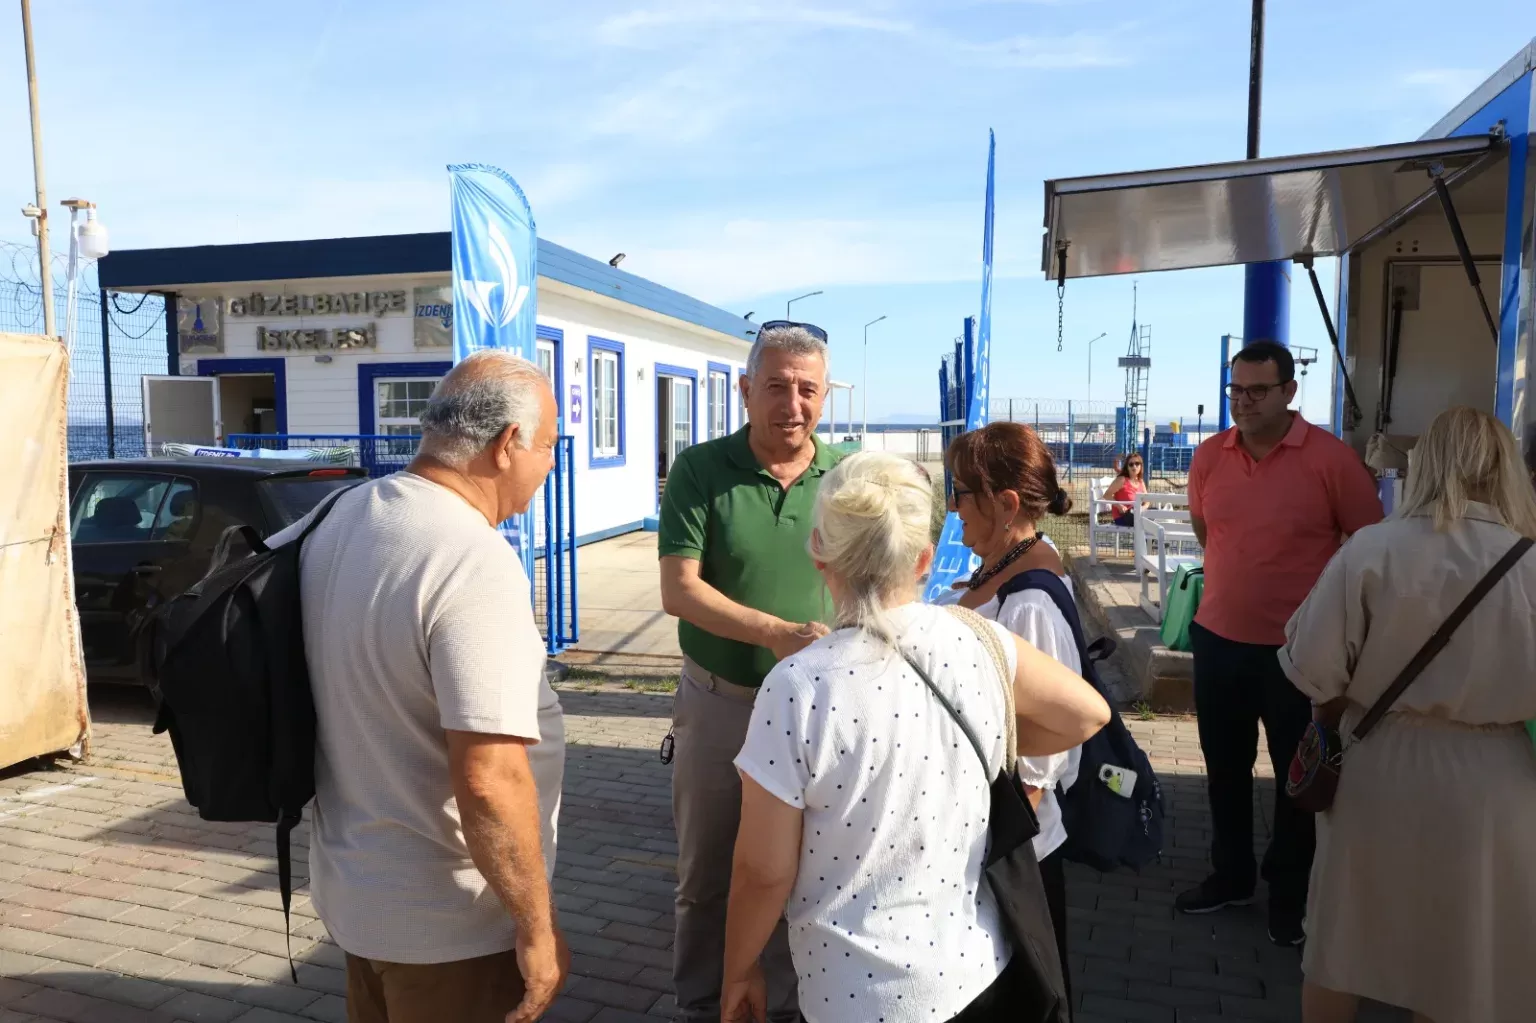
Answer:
(709, 724)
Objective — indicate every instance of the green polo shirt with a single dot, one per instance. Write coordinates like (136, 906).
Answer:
(749, 535)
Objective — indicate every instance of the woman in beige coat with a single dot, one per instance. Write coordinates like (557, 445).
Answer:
(1423, 890)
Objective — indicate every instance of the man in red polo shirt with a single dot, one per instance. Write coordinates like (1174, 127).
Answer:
(1271, 500)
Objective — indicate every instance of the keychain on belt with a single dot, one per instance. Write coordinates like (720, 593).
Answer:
(666, 747)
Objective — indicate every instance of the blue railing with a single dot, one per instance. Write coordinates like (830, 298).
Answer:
(553, 581)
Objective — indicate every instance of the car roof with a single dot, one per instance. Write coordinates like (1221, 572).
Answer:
(193, 465)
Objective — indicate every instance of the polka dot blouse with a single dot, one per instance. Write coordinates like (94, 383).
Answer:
(889, 919)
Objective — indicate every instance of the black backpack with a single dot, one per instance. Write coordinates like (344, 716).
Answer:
(226, 662)
(1104, 830)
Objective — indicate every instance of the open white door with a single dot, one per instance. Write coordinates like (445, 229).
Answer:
(183, 410)
(1251, 211)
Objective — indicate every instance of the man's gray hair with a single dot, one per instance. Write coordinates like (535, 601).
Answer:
(790, 340)
(478, 399)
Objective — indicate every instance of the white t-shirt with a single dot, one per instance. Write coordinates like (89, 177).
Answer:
(417, 619)
(1033, 616)
(889, 918)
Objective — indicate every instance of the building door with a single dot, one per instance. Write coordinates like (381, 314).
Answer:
(247, 405)
(183, 410)
(674, 422)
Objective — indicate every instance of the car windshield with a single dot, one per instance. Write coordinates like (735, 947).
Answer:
(289, 498)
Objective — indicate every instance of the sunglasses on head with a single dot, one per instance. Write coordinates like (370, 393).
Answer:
(810, 328)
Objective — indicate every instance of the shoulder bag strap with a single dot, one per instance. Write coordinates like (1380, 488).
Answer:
(979, 625)
(986, 765)
(1441, 637)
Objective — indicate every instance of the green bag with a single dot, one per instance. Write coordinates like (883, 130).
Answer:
(1183, 601)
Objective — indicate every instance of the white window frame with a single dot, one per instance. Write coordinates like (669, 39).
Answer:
(382, 424)
(607, 404)
(719, 406)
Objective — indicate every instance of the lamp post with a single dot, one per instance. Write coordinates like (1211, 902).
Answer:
(808, 294)
(1090, 363)
(39, 212)
(864, 437)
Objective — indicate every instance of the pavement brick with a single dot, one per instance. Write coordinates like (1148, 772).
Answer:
(161, 916)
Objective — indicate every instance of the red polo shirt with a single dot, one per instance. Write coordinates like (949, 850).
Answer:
(1272, 525)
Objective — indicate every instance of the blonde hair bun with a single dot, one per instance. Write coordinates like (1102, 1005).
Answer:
(872, 521)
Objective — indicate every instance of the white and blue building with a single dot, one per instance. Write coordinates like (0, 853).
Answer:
(323, 342)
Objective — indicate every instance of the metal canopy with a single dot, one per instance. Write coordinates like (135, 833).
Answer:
(1251, 211)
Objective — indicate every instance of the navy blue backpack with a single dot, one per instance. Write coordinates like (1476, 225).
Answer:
(1104, 830)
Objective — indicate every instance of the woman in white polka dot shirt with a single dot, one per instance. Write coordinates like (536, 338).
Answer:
(864, 807)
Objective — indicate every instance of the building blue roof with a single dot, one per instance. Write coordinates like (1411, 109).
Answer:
(171, 270)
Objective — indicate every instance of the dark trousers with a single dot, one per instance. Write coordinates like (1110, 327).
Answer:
(1237, 685)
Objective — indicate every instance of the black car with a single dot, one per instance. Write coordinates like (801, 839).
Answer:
(143, 530)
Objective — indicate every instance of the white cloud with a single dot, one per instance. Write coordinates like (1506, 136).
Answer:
(685, 104)
(655, 25)
(1073, 51)
(726, 260)
(1448, 85)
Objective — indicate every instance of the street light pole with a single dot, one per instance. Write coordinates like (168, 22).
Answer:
(808, 294)
(45, 270)
(1090, 363)
(864, 437)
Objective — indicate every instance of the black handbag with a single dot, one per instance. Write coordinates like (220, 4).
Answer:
(1013, 873)
(1313, 779)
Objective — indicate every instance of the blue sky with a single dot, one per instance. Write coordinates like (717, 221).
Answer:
(738, 150)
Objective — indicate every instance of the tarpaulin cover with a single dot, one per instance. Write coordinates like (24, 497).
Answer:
(42, 682)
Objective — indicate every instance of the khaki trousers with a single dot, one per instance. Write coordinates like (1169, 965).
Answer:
(709, 724)
(481, 990)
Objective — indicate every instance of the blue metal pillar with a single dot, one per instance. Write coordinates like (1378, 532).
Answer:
(1223, 407)
(1122, 442)
(1267, 303)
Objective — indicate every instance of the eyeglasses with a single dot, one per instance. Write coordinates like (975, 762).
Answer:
(956, 493)
(810, 328)
(1254, 392)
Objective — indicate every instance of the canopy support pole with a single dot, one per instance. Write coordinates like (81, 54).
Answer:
(1351, 404)
(1437, 174)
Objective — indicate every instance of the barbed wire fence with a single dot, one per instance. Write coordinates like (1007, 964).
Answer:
(116, 344)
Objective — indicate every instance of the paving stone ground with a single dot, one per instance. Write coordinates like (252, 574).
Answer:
(118, 905)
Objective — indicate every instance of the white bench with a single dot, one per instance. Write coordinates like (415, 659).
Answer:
(1165, 541)
(1099, 505)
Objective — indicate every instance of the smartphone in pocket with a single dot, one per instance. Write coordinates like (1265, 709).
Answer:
(1121, 781)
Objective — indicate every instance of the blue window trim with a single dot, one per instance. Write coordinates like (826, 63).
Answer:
(369, 372)
(277, 367)
(601, 344)
(664, 370)
(556, 335)
(725, 371)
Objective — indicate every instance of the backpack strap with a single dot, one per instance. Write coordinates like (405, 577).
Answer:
(291, 817)
(1050, 583)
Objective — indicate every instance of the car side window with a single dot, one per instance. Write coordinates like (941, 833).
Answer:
(178, 512)
(117, 509)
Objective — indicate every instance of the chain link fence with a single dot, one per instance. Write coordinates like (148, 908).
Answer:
(116, 343)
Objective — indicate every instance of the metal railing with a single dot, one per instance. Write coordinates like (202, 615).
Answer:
(553, 580)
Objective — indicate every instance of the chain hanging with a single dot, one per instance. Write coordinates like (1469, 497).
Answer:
(1061, 293)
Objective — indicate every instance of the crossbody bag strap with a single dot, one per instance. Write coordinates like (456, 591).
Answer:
(1441, 637)
(993, 644)
(986, 765)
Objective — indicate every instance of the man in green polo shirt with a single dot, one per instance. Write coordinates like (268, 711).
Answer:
(735, 521)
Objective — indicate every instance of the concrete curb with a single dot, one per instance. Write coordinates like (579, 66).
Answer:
(1163, 678)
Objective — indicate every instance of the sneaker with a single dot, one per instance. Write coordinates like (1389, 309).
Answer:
(1211, 895)
(1287, 928)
